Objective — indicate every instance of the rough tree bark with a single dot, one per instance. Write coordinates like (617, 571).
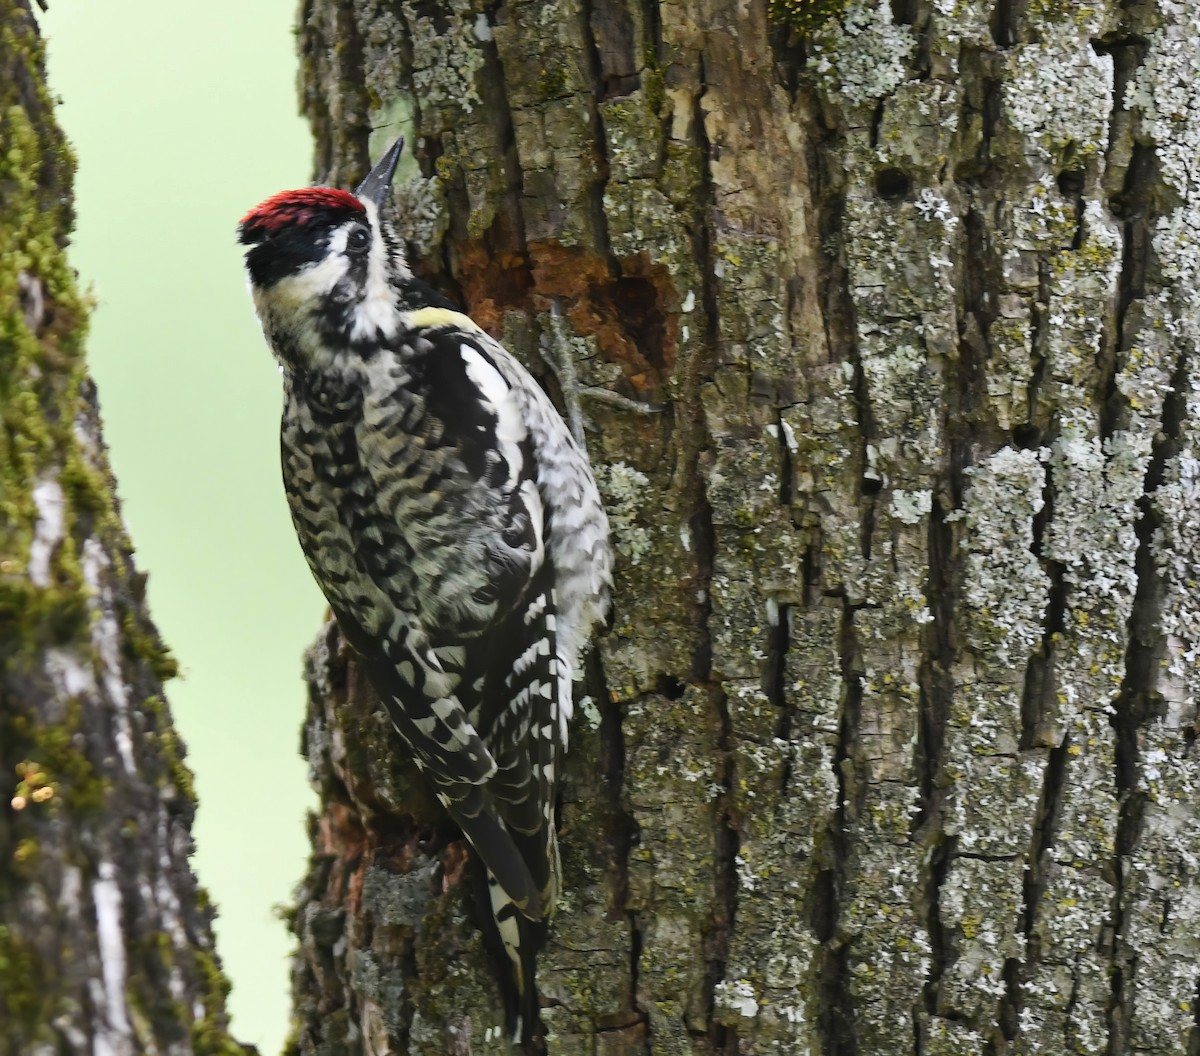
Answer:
(106, 945)
(891, 748)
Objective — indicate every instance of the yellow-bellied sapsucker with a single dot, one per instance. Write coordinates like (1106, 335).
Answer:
(450, 519)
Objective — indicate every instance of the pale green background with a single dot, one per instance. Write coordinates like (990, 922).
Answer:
(183, 116)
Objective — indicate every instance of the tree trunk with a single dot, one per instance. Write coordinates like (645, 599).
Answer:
(105, 938)
(881, 320)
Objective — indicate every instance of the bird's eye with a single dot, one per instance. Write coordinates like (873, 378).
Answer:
(358, 239)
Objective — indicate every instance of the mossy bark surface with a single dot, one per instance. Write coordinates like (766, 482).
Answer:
(884, 341)
(105, 938)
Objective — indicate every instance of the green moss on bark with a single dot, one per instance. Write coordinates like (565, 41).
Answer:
(90, 819)
(804, 16)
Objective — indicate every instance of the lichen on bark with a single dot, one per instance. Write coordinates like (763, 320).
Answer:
(890, 745)
(106, 941)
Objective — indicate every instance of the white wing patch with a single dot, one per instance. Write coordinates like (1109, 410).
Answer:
(532, 499)
(496, 396)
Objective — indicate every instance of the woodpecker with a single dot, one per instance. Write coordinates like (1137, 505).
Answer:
(452, 522)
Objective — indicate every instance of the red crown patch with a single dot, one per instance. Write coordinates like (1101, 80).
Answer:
(290, 208)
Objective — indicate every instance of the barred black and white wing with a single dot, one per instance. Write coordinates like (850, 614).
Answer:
(427, 492)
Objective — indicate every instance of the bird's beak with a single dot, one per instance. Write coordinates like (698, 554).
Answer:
(375, 187)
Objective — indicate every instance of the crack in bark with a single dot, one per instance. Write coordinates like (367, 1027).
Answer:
(1135, 204)
(964, 397)
(934, 679)
(599, 219)
(877, 116)
(1138, 699)
(1038, 697)
(1132, 204)
(789, 51)
(833, 850)
(980, 281)
(841, 332)
(652, 59)
(494, 87)
(507, 229)
(1131, 208)
(1071, 1005)
(1045, 832)
(1193, 1048)
(936, 692)
(785, 464)
(942, 952)
(726, 838)
(776, 683)
(691, 482)
(1031, 433)
(1071, 183)
(622, 827)
(1040, 689)
(725, 882)
(1006, 22)
(693, 424)
(617, 72)
(835, 1018)
(982, 101)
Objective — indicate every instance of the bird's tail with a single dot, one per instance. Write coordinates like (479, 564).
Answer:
(513, 941)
